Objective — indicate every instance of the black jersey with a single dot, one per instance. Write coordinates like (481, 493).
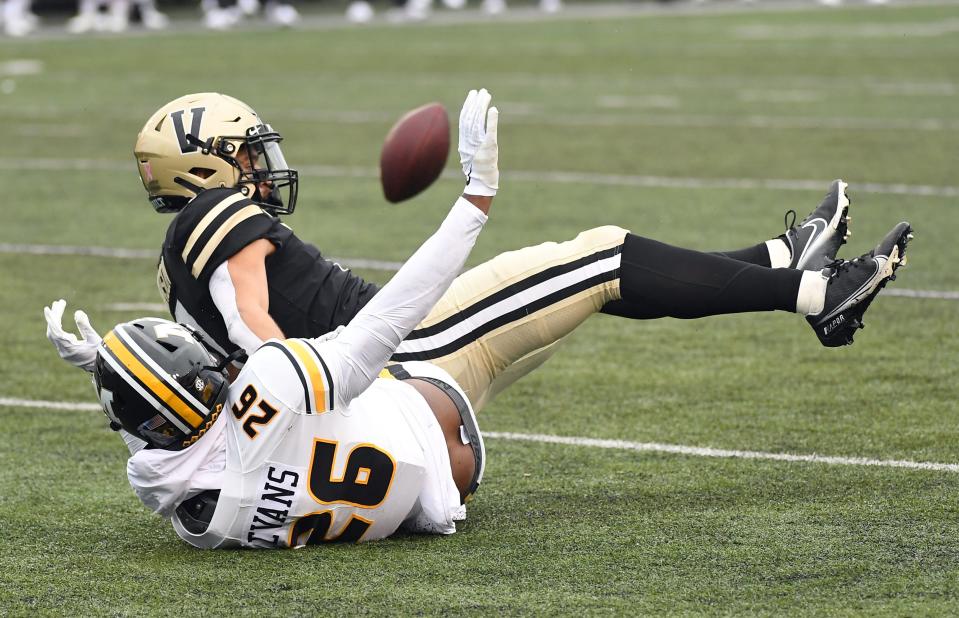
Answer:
(309, 295)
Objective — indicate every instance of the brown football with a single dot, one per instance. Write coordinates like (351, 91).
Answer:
(414, 152)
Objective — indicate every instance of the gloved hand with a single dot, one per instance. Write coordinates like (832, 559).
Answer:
(80, 353)
(478, 146)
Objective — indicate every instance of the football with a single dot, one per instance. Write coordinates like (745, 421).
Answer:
(414, 152)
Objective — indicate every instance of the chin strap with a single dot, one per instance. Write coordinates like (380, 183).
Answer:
(232, 356)
(205, 146)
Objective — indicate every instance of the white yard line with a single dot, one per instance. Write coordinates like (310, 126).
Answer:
(150, 254)
(535, 116)
(13, 402)
(19, 67)
(907, 293)
(622, 445)
(352, 262)
(563, 177)
(864, 30)
(697, 451)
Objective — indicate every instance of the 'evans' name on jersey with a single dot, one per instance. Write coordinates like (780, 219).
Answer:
(273, 508)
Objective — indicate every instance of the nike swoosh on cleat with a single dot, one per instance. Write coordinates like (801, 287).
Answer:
(867, 285)
(815, 223)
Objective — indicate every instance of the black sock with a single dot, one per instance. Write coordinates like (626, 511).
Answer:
(659, 280)
(757, 254)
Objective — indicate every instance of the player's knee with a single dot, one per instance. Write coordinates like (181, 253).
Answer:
(602, 237)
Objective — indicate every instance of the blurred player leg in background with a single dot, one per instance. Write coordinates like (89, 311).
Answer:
(118, 16)
(282, 14)
(550, 6)
(87, 17)
(225, 15)
(493, 7)
(840, 2)
(17, 19)
(100, 16)
(359, 12)
(216, 17)
(362, 11)
(151, 18)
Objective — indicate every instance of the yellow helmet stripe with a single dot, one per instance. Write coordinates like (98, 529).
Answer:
(154, 384)
(314, 372)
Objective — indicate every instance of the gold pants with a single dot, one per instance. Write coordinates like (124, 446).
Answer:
(505, 317)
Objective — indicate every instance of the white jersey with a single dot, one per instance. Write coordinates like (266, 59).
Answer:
(300, 471)
(311, 445)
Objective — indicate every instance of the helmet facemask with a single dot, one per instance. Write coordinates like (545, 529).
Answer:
(264, 171)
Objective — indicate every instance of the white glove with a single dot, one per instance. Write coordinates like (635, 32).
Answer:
(479, 150)
(80, 353)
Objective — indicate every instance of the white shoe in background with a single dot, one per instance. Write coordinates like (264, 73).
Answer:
(220, 19)
(284, 15)
(359, 12)
(493, 7)
(83, 22)
(551, 6)
(249, 8)
(19, 25)
(118, 19)
(154, 19)
(417, 10)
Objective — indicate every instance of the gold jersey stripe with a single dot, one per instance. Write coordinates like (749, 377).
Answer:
(160, 390)
(207, 220)
(314, 371)
(238, 217)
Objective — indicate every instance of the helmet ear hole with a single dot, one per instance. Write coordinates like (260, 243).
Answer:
(202, 172)
(168, 346)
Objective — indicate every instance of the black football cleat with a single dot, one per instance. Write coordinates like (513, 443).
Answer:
(854, 284)
(815, 242)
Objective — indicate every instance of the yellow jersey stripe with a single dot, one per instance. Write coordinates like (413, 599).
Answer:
(238, 217)
(313, 370)
(160, 390)
(207, 220)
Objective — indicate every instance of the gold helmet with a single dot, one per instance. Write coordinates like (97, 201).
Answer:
(210, 140)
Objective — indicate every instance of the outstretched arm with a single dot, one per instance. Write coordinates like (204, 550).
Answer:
(81, 352)
(362, 349)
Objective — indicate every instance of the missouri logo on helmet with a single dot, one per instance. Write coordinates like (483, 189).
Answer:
(207, 141)
(158, 382)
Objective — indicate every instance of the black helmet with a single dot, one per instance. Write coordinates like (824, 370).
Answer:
(158, 382)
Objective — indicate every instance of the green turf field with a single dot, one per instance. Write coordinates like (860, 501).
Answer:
(699, 129)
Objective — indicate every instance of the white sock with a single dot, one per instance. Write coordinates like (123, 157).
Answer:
(812, 293)
(779, 254)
